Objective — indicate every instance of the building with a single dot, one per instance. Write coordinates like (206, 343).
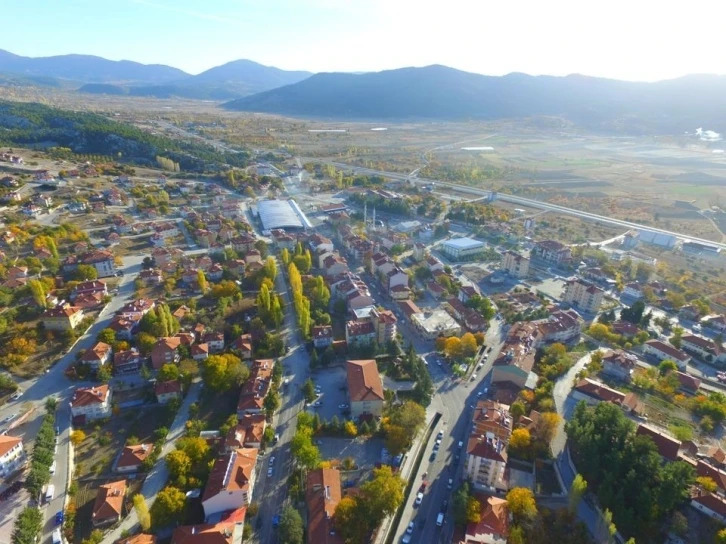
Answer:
(710, 504)
(132, 458)
(243, 345)
(218, 533)
(359, 333)
(101, 259)
(126, 362)
(688, 384)
(515, 264)
(493, 525)
(384, 322)
(561, 326)
(551, 252)
(668, 447)
(200, 352)
(255, 389)
(12, 455)
(633, 290)
(167, 391)
(365, 388)
(486, 461)
(248, 433)
(231, 482)
(662, 351)
(98, 355)
(322, 336)
(166, 350)
(717, 323)
(89, 403)
(109, 503)
(281, 214)
(461, 249)
(704, 348)
(512, 369)
(431, 324)
(619, 364)
(583, 295)
(62, 318)
(322, 495)
(594, 392)
(140, 538)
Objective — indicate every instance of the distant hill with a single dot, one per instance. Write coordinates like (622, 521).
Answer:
(439, 92)
(96, 75)
(89, 69)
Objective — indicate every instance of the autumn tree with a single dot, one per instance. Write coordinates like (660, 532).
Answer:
(547, 426)
(577, 490)
(202, 281)
(178, 463)
(441, 344)
(521, 503)
(37, 288)
(142, 512)
(453, 347)
(468, 345)
(706, 483)
(168, 506)
(77, 437)
(168, 372)
(520, 442)
(221, 372)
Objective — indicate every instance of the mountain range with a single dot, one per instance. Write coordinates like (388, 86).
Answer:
(440, 92)
(91, 74)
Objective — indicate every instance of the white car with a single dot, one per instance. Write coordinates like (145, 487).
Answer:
(450, 484)
(410, 527)
(269, 472)
(342, 406)
(419, 499)
(17, 394)
(272, 460)
(318, 403)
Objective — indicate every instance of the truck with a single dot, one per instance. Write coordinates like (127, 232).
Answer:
(57, 537)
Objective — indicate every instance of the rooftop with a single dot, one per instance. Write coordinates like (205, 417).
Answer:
(464, 243)
(280, 214)
(364, 381)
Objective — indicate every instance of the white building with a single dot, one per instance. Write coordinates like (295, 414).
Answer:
(12, 455)
(91, 403)
(486, 461)
(662, 351)
(460, 249)
(436, 323)
(583, 295)
(231, 482)
(515, 264)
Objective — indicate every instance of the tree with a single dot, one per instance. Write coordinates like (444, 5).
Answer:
(77, 437)
(721, 537)
(516, 536)
(453, 347)
(291, 528)
(37, 288)
(706, 483)
(468, 345)
(677, 339)
(577, 490)
(461, 505)
(107, 336)
(222, 372)
(196, 449)
(178, 463)
(634, 314)
(397, 438)
(271, 403)
(202, 281)
(520, 442)
(85, 272)
(309, 391)
(104, 373)
(517, 410)
(667, 366)
(145, 342)
(547, 426)
(351, 520)
(168, 506)
(441, 344)
(306, 454)
(384, 493)
(168, 372)
(27, 527)
(521, 503)
(142, 511)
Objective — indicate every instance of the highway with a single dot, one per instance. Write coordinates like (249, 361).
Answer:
(520, 200)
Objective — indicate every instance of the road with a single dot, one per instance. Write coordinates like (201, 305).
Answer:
(520, 200)
(271, 492)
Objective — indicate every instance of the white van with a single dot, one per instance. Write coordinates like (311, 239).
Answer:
(440, 519)
(57, 537)
(49, 492)
(53, 467)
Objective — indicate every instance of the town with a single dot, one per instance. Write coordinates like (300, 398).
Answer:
(293, 352)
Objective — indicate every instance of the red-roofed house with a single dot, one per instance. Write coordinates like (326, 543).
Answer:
(62, 318)
(662, 351)
(91, 403)
(359, 333)
(132, 457)
(166, 350)
(219, 533)
(667, 445)
(322, 336)
(493, 526)
(12, 455)
(619, 365)
(200, 351)
(243, 345)
(322, 495)
(365, 388)
(255, 389)
(127, 361)
(109, 503)
(98, 355)
(710, 504)
(248, 433)
(167, 391)
(231, 482)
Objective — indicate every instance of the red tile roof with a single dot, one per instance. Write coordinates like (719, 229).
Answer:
(7, 443)
(165, 388)
(667, 445)
(322, 495)
(109, 501)
(132, 456)
(364, 381)
(231, 472)
(90, 395)
(494, 519)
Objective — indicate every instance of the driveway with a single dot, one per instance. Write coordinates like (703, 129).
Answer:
(333, 387)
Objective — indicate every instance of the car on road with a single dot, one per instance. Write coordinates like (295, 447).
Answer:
(445, 505)
(18, 393)
(272, 460)
(473, 377)
(461, 444)
(269, 472)
(419, 499)
(8, 419)
(436, 447)
(480, 393)
(318, 403)
(423, 487)
(450, 484)
(406, 539)
(59, 517)
(343, 406)
(410, 528)
(440, 435)
(432, 458)
(276, 520)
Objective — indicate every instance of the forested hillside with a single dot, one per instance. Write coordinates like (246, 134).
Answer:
(88, 133)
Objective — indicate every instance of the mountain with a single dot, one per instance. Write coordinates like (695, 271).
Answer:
(89, 69)
(439, 92)
(92, 75)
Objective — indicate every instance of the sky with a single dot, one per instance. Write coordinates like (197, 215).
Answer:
(640, 40)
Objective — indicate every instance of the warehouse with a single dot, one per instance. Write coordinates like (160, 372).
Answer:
(281, 214)
(460, 249)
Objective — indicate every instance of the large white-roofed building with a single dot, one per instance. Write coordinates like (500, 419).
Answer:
(281, 214)
(460, 249)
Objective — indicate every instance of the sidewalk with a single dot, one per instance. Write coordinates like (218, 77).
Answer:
(157, 478)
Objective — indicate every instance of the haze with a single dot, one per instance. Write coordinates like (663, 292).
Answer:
(644, 41)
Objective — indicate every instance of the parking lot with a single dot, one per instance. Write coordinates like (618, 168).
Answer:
(365, 452)
(333, 387)
(10, 509)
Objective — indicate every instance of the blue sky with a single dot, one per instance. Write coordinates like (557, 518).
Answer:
(634, 39)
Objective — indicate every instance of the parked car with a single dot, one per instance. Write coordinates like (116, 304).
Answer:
(419, 499)
(410, 528)
(59, 517)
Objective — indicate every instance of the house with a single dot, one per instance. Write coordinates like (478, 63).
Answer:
(704, 348)
(219, 533)
(583, 295)
(62, 318)
(124, 326)
(619, 365)
(359, 333)
(93, 287)
(17, 272)
(668, 446)
(101, 259)
(181, 312)
(662, 351)
(493, 525)
(513, 367)
(152, 276)
(98, 355)
(486, 461)
(688, 384)
(594, 392)
(236, 267)
(132, 457)
(243, 345)
(255, 389)
(322, 494)
(322, 336)
(689, 312)
(215, 272)
(365, 388)
(384, 323)
(717, 323)
(467, 292)
(434, 264)
(109, 503)
(248, 433)
(166, 350)
(167, 391)
(140, 538)
(712, 455)
(437, 290)
(400, 292)
(12, 455)
(200, 351)
(551, 252)
(231, 482)
(215, 340)
(515, 264)
(561, 326)
(89, 403)
(716, 474)
(334, 265)
(126, 362)
(710, 504)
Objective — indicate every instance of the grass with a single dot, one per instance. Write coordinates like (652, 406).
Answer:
(214, 409)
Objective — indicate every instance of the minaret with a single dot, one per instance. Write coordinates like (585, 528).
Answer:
(365, 214)
(374, 218)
